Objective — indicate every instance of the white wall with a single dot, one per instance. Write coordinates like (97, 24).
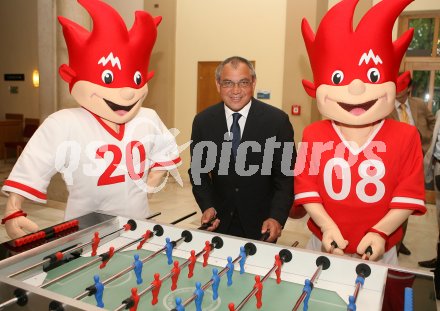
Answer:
(126, 9)
(210, 30)
(420, 5)
(18, 54)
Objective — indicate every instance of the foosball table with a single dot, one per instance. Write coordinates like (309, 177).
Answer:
(115, 263)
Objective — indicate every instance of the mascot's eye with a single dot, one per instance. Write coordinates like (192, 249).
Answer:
(373, 75)
(107, 76)
(137, 78)
(337, 77)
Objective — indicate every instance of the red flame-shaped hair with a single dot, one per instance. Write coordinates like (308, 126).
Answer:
(337, 47)
(109, 46)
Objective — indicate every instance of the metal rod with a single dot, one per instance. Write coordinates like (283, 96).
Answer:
(304, 294)
(67, 251)
(209, 283)
(8, 303)
(356, 291)
(358, 287)
(128, 269)
(183, 218)
(253, 291)
(97, 259)
(44, 285)
(182, 266)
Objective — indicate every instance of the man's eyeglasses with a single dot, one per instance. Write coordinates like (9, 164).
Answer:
(228, 84)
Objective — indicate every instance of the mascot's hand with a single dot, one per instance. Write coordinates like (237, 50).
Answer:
(377, 244)
(332, 234)
(17, 226)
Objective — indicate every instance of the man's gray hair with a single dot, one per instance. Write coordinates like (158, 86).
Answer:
(234, 61)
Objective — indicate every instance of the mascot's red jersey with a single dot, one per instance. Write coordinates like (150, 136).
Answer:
(358, 186)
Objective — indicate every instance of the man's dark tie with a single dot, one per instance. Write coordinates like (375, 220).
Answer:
(236, 135)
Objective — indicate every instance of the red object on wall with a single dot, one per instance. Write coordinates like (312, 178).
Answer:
(296, 110)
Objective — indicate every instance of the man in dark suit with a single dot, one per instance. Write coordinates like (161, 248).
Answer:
(242, 158)
(413, 111)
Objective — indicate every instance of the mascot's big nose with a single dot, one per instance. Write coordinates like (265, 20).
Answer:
(356, 87)
(127, 93)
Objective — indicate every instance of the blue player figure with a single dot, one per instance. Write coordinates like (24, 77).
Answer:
(179, 306)
(215, 283)
(199, 296)
(360, 280)
(99, 292)
(243, 259)
(351, 304)
(230, 266)
(169, 250)
(307, 289)
(137, 267)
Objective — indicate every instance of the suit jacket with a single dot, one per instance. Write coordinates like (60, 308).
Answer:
(424, 120)
(267, 193)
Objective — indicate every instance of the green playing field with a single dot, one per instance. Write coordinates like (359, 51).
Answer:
(275, 296)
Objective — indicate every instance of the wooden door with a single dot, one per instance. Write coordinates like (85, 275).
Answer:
(207, 94)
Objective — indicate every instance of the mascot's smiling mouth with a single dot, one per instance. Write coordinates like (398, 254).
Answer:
(121, 110)
(359, 108)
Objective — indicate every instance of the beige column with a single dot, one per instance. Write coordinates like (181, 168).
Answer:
(46, 57)
(296, 62)
(75, 12)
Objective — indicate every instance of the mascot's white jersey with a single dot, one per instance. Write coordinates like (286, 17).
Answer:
(103, 169)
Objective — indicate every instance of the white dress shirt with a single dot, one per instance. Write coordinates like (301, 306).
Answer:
(242, 121)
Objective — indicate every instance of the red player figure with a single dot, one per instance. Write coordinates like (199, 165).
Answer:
(95, 243)
(278, 263)
(192, 262)
(106, 257)
(146, 236)
(259, 286)
(175, 275)
(157, 283)
(231, 306)
(135, 297)
(207, 249)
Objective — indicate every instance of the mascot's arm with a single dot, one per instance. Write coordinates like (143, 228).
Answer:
(380, 231)
(154, 180)
(329, 229)
(15, 221)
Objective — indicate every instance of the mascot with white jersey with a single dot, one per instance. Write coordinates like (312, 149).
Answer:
(109, 147)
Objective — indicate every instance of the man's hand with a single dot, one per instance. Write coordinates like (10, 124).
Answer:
(377, 244)
(19, 226)
(274, 227)
(207, 216)
(330, 234)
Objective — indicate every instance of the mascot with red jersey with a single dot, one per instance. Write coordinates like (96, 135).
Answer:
(107, 148)
(358, 175)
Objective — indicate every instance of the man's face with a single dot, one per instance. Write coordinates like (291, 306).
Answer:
(402, 96)
(236, 86)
